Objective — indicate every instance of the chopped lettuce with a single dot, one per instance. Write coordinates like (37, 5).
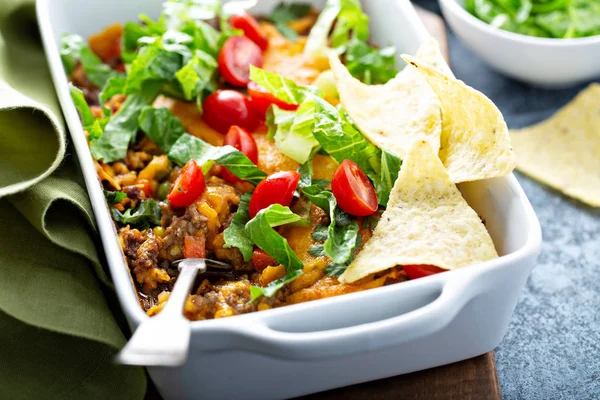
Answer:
(284, 13)
(114, 85)
(161, 126)
(74, 49)
(350, 21)
(122, 127)
(113, 198)
(283, 88)
(198, 77)
(146, 215)
(293, 133)
(87, 118)
(543, 18)
(342, 230)
(189, 147)
(260, 230)
(235, 235)
(369, 64)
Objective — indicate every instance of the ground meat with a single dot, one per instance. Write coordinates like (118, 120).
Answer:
(188, 224)
(136, 160)
(145, 265)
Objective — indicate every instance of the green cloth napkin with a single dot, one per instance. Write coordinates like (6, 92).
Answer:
(60, 325)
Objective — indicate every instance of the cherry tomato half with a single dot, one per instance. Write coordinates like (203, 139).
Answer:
(225, 108)
(249, 25)
(261, 260)
(194, 246)
(353, 191)
(235, 58)
(277, 188)
(261, 99)
(188, 186)
(240, 139)
(420, 271)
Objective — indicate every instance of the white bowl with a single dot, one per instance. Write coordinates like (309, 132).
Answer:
(552, 63)
(339, 341)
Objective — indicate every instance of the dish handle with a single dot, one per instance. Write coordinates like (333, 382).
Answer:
(292, 336)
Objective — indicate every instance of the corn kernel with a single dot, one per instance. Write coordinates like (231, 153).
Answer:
(263, 307)
(225, 312)
(159, 231)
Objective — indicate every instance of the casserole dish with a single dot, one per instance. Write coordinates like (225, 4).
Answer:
(294, 350)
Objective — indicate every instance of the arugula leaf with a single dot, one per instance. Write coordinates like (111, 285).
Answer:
(261, 232)
(114, 85)
(73, 49)
(188, 147)
(284, 13)
(144, 216)
(113, 198)
(235, 235)
(370, 65)
(87, 118)
(342, 230)
(161, 126)
(122, 127)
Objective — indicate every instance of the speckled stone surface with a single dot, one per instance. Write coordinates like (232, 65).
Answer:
(552, 349)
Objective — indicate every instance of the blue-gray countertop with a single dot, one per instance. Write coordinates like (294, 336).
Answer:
(552, 349)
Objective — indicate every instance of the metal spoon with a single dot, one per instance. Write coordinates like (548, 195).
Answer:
(145, 346)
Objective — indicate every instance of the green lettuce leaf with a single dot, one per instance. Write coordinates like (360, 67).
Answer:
(73, 49)
(342, 230)
(388, 174)
(122, 127)
(114, 85)
(235, 235)
(292, 131)
(146, 215)
(316, 43)
(198, 76)
(113, 198)
(153, 63)
(161, 126)
(350, 19)
(188, 147)
(370, 65)
(283, 88)
(284, 13)
(87, 118)
(261, 232)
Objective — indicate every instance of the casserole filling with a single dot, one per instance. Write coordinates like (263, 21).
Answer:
(218, 134)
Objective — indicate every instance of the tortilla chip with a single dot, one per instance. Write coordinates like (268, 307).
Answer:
(475, 143)
(564, 151)
(427, 221)
(395, 114)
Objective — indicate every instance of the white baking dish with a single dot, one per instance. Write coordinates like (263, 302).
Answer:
(334, 342)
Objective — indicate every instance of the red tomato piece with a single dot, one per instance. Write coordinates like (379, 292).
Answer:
(353, 191)
(188, 186)
(420, 271)
(194, 247)
(146, 187)
(225, 108)
(277, 188)
(235, 58)
(243, 141)
(249, 25)
(261, 99)
(261, 260)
